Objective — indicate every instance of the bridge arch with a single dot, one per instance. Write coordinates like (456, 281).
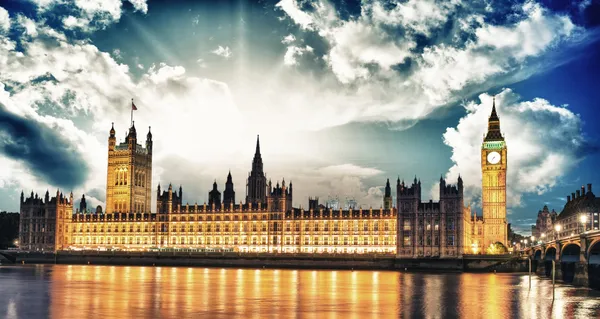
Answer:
(536, 259)
(594, 264)
(548, 258)
(569, 258)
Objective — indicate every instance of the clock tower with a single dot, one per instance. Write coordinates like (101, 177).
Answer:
(493, 171)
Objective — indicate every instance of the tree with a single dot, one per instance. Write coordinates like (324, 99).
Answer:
(497, 248)
(9, 229)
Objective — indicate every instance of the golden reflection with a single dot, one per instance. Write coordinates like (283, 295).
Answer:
(138, 292)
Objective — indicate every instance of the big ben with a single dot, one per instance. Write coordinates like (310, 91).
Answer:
(493, 171)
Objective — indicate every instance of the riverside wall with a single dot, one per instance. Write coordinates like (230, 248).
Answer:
(296, 261)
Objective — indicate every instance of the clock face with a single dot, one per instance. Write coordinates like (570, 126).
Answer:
(493, 157)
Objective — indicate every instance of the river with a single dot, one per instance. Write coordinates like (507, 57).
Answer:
(64, 291)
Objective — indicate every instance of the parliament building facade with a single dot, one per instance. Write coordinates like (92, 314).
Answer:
(266, 221)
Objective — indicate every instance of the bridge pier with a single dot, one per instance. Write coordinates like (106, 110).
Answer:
(581, 274)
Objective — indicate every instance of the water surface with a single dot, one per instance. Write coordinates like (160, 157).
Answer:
(64, 291)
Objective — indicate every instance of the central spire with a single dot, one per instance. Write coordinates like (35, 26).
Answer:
(257, 181)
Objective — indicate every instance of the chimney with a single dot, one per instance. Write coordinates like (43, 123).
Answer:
(568, 198)
(573, 196)
(589, 188)
(578, 193)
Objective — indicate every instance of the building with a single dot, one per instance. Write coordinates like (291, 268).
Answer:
(267, 221)
(44, 222)
(129, 174)
(428, 229)
(579, 214)
(544, 223)
(490, 228)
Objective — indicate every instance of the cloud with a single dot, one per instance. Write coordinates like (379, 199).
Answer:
(400, 62)
(51, 81)
(223, 51)
(43, 150)
(86, 15)
(288, 39)
(290, 57)
(4, 20)
(544, 142)
(140, 5)
(292, 9)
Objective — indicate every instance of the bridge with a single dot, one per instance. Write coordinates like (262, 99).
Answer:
(576, 257)
(8, 257)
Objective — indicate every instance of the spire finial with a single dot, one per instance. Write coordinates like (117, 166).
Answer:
(257, 144)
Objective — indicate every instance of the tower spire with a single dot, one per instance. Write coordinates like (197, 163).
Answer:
(257, 146)
(494, 133)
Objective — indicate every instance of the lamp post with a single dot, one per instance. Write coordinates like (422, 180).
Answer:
(583, 219)
(532, 240)
(557, 229)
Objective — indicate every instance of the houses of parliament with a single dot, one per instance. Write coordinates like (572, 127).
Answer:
(266, 221)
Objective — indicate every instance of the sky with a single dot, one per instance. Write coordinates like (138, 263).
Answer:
(344, 94)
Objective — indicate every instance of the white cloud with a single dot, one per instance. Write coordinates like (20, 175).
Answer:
(72, 22)
(544, 142)
(288, 39)
(293, 10)
(201, 63)
(223, 51)
(4, 20)
(385, 76)
(90, 15)
(293, 52)
(140, 5)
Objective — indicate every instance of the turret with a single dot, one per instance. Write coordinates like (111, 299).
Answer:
(229, 192)
(149, 141)
(132, 137)
(47, 197)
(112, 140)
(180, 195)
(82, 204)
(158, 191)
(387, 198)
(214, 196)
(22, 197)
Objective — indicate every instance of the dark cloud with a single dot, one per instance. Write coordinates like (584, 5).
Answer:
(98, 193)
(42, 150)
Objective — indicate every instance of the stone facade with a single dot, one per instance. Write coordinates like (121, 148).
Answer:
(490, 228)
(44, 222)
(544, 223)
(429, 229)
(129, 174)
(267, 222)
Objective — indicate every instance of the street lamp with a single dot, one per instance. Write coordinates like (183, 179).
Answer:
(557, 229)
(532, 240)
(16, 243)
(583, 219)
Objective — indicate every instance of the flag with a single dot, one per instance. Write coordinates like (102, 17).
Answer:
(133, 107)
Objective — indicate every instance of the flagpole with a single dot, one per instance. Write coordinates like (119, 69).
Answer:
(131, 113)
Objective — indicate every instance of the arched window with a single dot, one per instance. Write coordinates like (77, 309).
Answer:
(125, 178)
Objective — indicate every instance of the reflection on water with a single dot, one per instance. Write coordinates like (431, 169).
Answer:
(62, 291)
